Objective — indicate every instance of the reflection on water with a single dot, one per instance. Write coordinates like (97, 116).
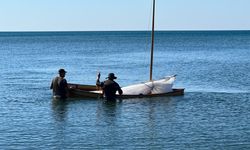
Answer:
(106, 112)
(109, 108)
(59, 108)
(60, 112)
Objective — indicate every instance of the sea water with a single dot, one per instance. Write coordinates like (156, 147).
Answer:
(212, 66)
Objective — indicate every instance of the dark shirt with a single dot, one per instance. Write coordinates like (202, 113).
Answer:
(59, 86)
(63, 88)
(109, 88)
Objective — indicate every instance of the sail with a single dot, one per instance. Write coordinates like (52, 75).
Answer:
(151, 87)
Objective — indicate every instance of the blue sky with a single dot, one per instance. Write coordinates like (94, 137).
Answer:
(99, 15)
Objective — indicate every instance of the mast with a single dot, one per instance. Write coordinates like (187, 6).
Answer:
(152, 42)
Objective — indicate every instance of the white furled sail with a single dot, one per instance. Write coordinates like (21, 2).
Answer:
(152, 87)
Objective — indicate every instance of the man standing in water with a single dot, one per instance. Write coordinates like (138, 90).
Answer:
(59, 85)
(109, 87)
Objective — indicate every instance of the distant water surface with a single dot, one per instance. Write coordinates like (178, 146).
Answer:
(212, 66)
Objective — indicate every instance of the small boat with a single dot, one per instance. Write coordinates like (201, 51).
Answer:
(92, 91)
(79, 90)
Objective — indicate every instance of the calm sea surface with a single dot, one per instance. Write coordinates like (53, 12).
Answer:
(213, 67)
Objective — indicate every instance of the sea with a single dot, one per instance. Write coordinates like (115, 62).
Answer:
(212, 66)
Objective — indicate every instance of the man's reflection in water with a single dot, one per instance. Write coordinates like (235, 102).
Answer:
(59, 108)
(59, 112)
(107, 112)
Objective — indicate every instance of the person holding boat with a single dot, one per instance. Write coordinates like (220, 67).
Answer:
(59, 85)
(109, 87)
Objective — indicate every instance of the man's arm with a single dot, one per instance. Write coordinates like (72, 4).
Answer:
(66, 87)
(119, 89)
(52, 84)
(98, 83)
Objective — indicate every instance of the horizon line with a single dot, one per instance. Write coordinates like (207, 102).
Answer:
(188, 30)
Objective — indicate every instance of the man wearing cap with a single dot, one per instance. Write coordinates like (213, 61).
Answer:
(59, 85)
(109, 86)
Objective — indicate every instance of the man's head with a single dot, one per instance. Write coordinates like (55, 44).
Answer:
(62, 72)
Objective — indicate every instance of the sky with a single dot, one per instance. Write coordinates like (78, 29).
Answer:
(117, 15)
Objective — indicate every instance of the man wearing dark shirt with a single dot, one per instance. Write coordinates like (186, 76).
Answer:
(59, 85)
(109, 87)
